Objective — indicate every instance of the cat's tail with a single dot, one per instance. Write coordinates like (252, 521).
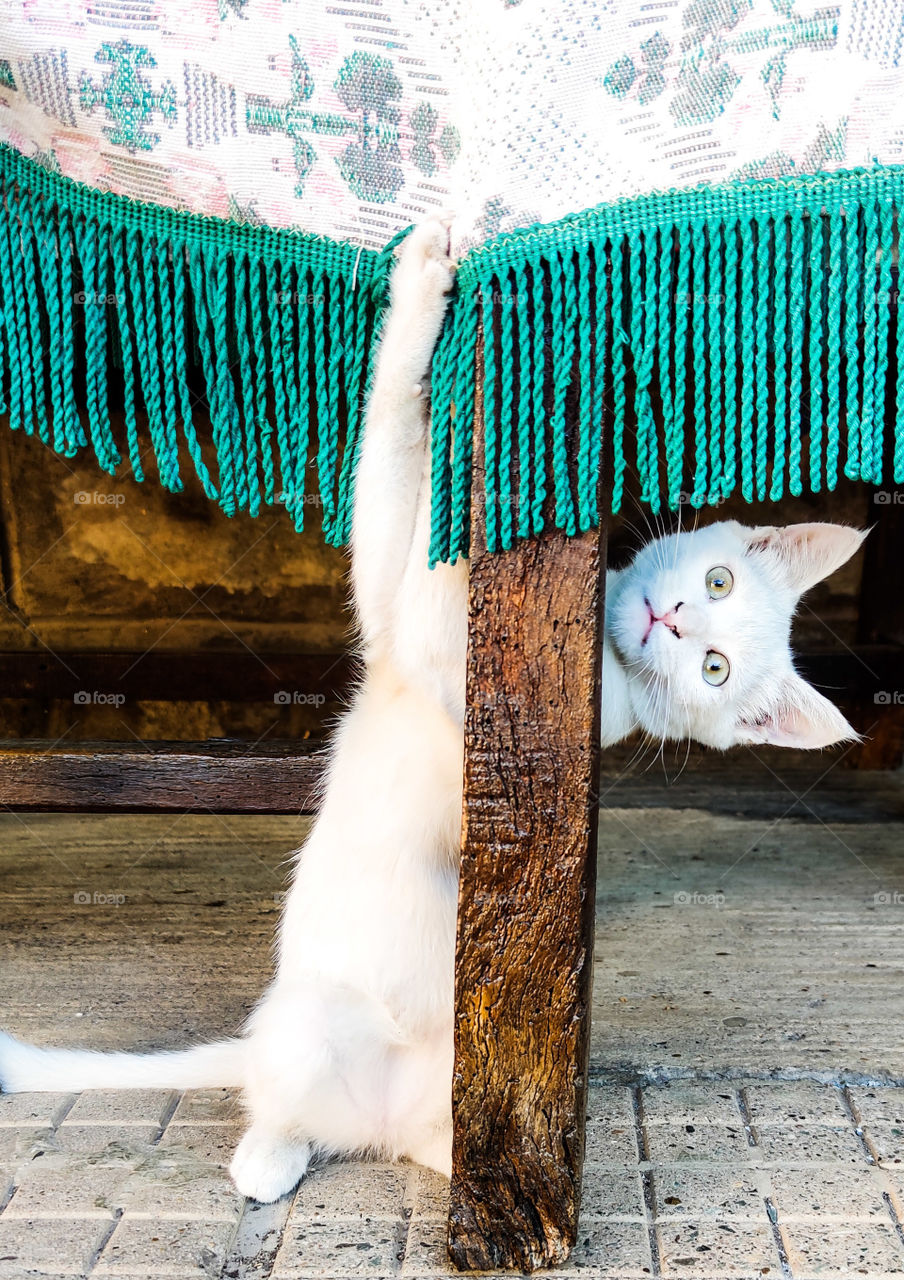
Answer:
(25, 1068)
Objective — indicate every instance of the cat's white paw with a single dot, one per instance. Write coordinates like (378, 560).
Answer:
(425, 268)
(422, 279)
(265, 1167)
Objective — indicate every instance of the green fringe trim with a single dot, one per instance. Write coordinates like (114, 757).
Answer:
(95, 287)
(738, 337)
(744, 337)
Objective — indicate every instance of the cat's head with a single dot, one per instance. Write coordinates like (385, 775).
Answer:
(701, 623)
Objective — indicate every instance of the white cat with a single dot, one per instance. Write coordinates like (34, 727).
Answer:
(350, 1050)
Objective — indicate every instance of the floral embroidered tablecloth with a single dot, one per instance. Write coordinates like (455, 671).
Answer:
(697, 203)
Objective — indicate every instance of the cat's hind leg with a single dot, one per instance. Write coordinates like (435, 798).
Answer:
(316, 1081)
(267, 1165)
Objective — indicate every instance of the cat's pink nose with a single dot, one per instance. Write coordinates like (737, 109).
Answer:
(668, 620)
(671, 618)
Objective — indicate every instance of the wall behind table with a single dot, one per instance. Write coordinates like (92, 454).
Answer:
(96, 564)
(93, 563)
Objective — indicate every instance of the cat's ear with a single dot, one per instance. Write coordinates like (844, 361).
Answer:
(804, 554)
(796, 715)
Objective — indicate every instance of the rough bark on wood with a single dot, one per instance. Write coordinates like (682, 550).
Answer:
(526, 899)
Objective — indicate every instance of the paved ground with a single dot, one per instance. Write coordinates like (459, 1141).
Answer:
(740, 1179)
(747, 1114)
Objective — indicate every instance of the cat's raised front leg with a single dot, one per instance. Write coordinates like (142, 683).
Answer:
(267, 1165)
(391, 464)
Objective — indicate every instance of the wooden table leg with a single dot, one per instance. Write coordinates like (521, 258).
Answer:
(526, 904)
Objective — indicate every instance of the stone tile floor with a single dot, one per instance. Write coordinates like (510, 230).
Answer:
(747, 1108)
(729, 1179)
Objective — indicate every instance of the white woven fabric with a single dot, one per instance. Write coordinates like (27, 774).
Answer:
(352, 121)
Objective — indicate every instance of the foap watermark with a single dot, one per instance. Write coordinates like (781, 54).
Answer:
(888, 899)
(88, 299)
(497, 298)
(92, 898)
(889, 698)
(687, 898)
(297, 298)
(305, 499)
(514, 899)
(500, 702)
(687, 499)
(889, 498)
(97, 698)
(297, 698)
(495, 499)
(690, 300)
(91, 498)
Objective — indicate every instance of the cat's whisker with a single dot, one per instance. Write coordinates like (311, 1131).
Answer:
(666, 722)
(660, 753)
(655, 706)
(638, 753)
(655, 755)
(640, 534)
(677, 538)
(687, 756)
(684, 737)
(656, 522)
(646, 513)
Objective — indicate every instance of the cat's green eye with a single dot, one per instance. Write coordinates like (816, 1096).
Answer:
(715, 668)
(719, 582)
